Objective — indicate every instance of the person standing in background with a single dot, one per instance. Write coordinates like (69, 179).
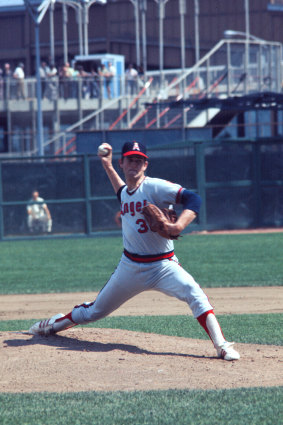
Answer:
(108, 73)
(39, 217)
(131, 79)
(19, 75)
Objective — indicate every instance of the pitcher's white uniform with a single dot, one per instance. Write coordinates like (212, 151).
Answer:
(148, 261)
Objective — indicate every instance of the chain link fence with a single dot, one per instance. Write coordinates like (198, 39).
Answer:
(240, 182)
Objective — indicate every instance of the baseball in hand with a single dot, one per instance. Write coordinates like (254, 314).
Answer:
(102, 150)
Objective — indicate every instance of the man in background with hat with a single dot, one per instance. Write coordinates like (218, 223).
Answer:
(148, 261)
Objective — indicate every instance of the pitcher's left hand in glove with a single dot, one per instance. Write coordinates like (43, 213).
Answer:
(160, 220)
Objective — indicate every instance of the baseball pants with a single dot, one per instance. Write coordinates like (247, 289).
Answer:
(131, 278)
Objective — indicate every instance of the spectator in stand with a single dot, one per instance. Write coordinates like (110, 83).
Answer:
(85, 81)
(43, 70)
(73, 81)
(62, 87)
(103, 73)
(7, 76)
(108, 73)
(95, 84)
(141, 77)
(131, 79)
(73, 84)
(51, 89)
(110, 78)
(66, 76)
(19, 75)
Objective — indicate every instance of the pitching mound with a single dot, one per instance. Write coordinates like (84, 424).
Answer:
(110, 360)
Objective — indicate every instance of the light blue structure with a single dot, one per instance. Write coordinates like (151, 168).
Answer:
(118, 61)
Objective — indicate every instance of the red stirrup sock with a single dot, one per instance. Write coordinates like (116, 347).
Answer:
(211, 326)
(63, 323)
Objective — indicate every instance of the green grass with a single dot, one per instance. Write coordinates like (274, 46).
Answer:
(243, 406)
(233, 260)
(254, 329)
(86, 264)
(47, 266)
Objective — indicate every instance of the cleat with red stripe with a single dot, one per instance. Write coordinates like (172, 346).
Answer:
(45, 327)
(227, 352)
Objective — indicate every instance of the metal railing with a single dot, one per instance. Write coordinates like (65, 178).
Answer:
(231, 68)
(261, 70)
(55, 88)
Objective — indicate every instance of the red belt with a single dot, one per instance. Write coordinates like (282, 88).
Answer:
(148, 258)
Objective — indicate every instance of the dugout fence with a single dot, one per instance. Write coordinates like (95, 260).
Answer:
(240, 182)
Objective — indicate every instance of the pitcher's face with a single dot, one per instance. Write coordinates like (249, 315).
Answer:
(133, 166)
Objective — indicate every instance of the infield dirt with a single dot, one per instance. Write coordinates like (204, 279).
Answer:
(111, 360)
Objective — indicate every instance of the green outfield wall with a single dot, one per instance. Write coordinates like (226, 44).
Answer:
(240, 182)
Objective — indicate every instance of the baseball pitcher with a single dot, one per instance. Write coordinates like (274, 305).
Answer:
(148, 261)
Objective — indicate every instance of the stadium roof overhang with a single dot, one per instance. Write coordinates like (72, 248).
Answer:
(254, 101)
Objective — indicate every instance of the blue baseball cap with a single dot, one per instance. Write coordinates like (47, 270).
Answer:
(134, 148)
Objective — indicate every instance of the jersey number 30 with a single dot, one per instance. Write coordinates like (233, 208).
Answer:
(143, 228)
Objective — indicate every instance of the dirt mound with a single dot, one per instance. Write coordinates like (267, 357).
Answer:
(110, 360)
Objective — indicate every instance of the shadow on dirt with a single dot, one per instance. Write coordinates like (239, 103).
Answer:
(74, 344)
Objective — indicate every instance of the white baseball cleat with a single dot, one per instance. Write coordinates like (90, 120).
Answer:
(227, 352)
(44, 327)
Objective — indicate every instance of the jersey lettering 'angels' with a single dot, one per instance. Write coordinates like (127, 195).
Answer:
(132, 207)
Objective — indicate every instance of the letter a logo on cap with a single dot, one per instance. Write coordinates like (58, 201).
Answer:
(136, 146)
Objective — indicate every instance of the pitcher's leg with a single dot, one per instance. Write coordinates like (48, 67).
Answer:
(123, 285)
(176, 282)
(224, 348)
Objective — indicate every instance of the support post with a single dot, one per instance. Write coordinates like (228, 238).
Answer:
(201, 182)
(37, 15)
(161, 42)
(143, 6)
(135, 3)
(65, 36)
(38, 94)
(51, 22)
(247, 45)
(87, 194)
(161, 14)
(182, 11)
(79, 20)
(197, 53)
(257, 216)
(85, 25)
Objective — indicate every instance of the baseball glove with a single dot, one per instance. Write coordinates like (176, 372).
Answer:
(158, 218)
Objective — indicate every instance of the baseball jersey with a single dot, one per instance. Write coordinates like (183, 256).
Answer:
(137, 236)
(37, 210)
